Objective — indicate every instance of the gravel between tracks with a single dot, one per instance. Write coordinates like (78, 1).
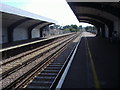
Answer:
(11, 78)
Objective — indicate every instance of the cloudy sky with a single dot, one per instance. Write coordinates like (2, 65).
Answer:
(57, 10)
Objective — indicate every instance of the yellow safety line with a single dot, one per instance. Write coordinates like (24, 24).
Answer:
(96, 82)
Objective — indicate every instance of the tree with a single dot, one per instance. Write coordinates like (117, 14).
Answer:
(80, 26)
(71, 28)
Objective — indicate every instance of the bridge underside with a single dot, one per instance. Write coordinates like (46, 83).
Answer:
(104, 15)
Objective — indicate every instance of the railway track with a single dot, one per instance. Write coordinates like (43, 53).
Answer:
(19, 69)
(49, 78)
(17, 61)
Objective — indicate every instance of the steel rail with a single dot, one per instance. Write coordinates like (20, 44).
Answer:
(38, 65)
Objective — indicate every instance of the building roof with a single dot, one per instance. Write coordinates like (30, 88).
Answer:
(23, 13)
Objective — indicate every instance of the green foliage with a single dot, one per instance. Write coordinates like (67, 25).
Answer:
(71, 28)
(66, 29)
(90, 28)
(80, 26)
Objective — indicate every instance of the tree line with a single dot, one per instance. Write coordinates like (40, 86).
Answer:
(73, 28)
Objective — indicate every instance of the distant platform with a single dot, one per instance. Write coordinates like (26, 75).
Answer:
(18, 44)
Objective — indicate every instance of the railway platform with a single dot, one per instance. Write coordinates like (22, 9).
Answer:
(95, 65)
(15, 43)
(17, 47)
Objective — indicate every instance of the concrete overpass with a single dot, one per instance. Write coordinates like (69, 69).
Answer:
(18, 24)
(104, 15)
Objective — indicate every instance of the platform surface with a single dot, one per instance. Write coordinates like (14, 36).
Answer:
(17, 44)
(96, 58)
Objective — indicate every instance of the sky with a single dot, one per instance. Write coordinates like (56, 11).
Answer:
(57, 10)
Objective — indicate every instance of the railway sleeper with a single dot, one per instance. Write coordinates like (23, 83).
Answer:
(55, 65)
(49, 74)
(51, 71)
(37, 87)
(40, 83)
(58, 61)
(55, 68)
(44, 78)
